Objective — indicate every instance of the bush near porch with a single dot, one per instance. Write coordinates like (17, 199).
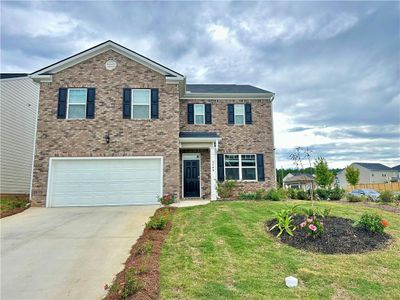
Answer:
(222, 251)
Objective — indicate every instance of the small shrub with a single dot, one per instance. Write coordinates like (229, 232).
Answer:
(131, 285)
(225, 189)
(315, 212)
(302, 195)
(159, 221)
(313, 226)
(372, 222)
(336, 193)
(354, 198)
(167, 200)
(247, 196)
(145, 248)
(386, 196)
(273, 195)
(260, 194)
(323, 194)
(292, 193)
(284, 219)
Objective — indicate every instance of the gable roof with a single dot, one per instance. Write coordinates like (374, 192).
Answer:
(100, 48)
(374, 166)
(12, 75)
(300, 177)
(396, 168)
(224, 88)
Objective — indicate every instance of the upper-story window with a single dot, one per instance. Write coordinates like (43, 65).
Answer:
(76, 107)
(199, 114)
(239, 114)
(141, 101)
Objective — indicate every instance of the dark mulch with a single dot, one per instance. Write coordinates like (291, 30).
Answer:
(150, 279)
(340, 236)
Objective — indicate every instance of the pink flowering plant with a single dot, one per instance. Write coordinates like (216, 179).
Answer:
(313, 226)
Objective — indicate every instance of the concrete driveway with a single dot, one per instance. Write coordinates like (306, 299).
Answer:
(67, 253)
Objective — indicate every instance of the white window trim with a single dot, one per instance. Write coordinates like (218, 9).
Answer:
(236, 114)
(83, 104)
(204, 114)
(240, 166)
(132, 105)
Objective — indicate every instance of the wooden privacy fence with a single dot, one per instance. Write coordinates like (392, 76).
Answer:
(391, 186)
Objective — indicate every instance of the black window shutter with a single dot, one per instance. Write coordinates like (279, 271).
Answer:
(90, 103)
(154, 103)
(247, 112)
(220, 167)
(260, 167)
(231, 114)
(62, 103)
(190, 113)
(207, 109)
(126, 105)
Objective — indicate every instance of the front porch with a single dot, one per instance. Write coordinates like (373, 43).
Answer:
(198, 159)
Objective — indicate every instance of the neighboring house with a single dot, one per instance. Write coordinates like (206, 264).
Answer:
(369, 173)
(115, 127)
(299, 181)
(19, 97)
(397, 172)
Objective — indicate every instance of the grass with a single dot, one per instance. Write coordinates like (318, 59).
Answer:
(8, 204)
(221, 251)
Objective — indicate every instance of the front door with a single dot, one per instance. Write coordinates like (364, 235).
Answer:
(191, 178)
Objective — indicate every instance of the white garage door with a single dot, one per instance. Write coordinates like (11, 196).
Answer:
(104, 181)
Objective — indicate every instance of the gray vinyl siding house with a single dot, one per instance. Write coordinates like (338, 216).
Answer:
(19, 101)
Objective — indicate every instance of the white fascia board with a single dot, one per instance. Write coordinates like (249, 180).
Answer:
(103, 48)
(41, 78)
(229, 96)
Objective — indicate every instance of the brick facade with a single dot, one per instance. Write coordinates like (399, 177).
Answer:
(241, 139)
(86, 138)
(158, 137)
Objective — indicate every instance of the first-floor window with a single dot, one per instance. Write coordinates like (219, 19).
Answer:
(76, 108)
(240, 167)
(140, 104)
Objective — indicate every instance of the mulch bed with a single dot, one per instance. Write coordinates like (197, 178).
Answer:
(13, 211)
(340, 236)
(150, 279)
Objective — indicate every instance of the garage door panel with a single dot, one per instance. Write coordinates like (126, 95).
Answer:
(105, 181)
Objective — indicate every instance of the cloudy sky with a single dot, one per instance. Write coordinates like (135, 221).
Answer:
(334, 66)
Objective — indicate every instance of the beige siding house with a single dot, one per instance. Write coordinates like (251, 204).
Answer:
(369, 173)
(19, 100)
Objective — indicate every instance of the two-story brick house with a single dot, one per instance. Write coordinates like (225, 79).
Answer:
(115, 127)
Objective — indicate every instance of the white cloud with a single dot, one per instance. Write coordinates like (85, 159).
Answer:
(39, 23)
(218, 32)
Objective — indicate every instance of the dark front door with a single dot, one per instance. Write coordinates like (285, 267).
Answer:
(191, 178)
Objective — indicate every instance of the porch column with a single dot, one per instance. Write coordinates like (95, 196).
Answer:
(213, 161)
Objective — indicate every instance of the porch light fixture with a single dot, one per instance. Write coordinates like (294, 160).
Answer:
(107, 137)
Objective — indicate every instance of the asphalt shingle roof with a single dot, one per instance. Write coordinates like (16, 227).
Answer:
(12, 75)
(198, 134)
(224, 88)
(300, 177)
(374, 166)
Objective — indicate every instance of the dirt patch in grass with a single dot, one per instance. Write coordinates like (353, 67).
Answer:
(143, 263)
(340, 236)
(13, 204)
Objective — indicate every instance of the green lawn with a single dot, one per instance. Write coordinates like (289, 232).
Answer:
(221, 251)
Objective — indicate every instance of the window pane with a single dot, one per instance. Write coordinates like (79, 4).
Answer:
(76, 111)
(141, 97)
(140, 111)
(199, 109)
(77, 96)
(232, 160)
(199, 119)
(232, 173)
(239, 109)
(249, 173)
(239, 120)
(248, 160)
